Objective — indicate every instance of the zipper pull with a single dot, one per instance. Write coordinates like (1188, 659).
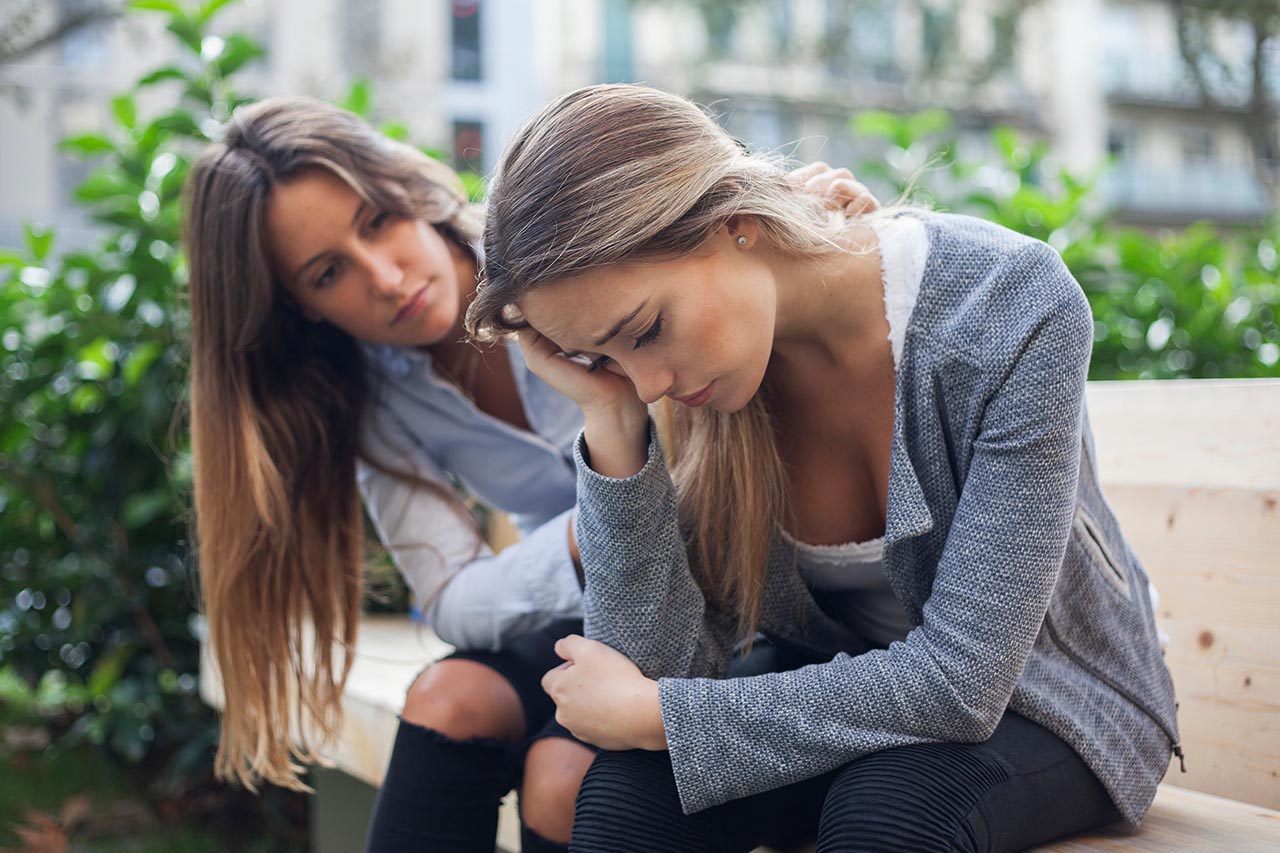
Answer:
(1177, 750)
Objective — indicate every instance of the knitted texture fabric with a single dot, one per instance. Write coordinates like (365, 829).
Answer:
(998, 543)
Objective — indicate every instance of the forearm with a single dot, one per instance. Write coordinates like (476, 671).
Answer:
(529, 585)
(641, 597)
(617, 439)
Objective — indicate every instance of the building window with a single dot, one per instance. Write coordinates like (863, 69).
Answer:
(468, 146)
(780, 25)
(1198, 145)
(1121, 142)
(87, 46)
(859, 40)
(465, 40)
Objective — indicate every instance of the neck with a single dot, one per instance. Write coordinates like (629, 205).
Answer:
(827, 305)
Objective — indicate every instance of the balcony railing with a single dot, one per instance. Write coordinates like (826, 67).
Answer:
(1195, 190)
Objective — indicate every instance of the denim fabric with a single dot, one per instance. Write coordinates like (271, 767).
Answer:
(421, 424)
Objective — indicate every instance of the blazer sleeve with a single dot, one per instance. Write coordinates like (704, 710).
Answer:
(473, 599)
(640, 595)
(953, 676)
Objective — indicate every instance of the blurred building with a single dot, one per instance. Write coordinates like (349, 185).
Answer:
(1097, 78)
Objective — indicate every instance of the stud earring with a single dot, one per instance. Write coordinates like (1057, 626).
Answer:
(742, 240)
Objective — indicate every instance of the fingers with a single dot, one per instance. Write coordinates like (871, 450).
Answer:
(859, 199)
(804, 173)
(571, 646)
(552, 677)
(838, 188)
(534, 343)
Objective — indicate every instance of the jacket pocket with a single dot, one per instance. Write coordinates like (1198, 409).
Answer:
(1098, 620)
(1091, 541)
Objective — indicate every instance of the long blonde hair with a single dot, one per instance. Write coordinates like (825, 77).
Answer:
(276, 409)
(617, 173)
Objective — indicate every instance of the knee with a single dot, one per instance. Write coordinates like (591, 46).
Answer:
(464, 700)
(553, 772)
(623, 795)
(919, 797)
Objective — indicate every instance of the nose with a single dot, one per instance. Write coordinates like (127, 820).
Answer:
(385, 275)
(652, 384)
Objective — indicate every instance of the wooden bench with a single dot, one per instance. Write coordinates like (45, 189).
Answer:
(1192, 469)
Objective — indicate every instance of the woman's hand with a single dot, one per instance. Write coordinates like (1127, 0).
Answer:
(591, 390)
(616, 419)
(603, 699)
(838, 188)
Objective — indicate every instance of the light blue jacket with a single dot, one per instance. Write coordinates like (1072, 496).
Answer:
(998, 544)
(419, 423)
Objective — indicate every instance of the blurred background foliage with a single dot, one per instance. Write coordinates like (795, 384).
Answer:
(1201, 303)
(98, 639)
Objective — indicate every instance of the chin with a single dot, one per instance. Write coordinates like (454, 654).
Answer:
(733, 402)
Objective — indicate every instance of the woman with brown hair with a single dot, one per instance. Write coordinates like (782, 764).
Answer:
(879, 458)
(329, 266)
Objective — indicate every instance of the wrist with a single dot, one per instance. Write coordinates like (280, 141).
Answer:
(617, 440)
(654, 732)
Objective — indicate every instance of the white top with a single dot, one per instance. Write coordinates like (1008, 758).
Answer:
(854, 571)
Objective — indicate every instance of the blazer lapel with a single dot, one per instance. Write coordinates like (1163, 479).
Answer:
(907, 517)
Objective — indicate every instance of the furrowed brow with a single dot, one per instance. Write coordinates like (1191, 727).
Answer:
(619, 326)
(612, 333)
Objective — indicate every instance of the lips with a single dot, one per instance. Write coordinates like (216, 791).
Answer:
(695, 400)
(412, 305)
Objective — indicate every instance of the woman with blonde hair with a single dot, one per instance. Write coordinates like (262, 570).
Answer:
(329, 266)
(874, 450)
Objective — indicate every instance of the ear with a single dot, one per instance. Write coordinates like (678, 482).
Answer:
(743, 225)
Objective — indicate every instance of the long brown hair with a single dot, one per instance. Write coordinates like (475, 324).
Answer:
(671, 178)
(276, 410)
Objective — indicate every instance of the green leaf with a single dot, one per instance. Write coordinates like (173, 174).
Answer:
(178, 122)
(107, 671)
(397, 130)
(140, 509)
(358, 99)
(170, 6)
(237, 51)
(876, 123)
(928, 122)
(474, 184)
(168, 72)
(86, 398)
(103, 185)
(125, 109)
(87, 144)
(139, 360)
(10, 258)
(187, 32)
(39, 239)
(210, 9)
(15, 691)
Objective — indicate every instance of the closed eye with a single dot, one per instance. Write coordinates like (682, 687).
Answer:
(651, 334)
(599, 363)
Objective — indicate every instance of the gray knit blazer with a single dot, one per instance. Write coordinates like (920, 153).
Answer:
(998, 544)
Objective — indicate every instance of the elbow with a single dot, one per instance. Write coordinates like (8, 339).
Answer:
(968, 716)
(460, 632)
(978, 724)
